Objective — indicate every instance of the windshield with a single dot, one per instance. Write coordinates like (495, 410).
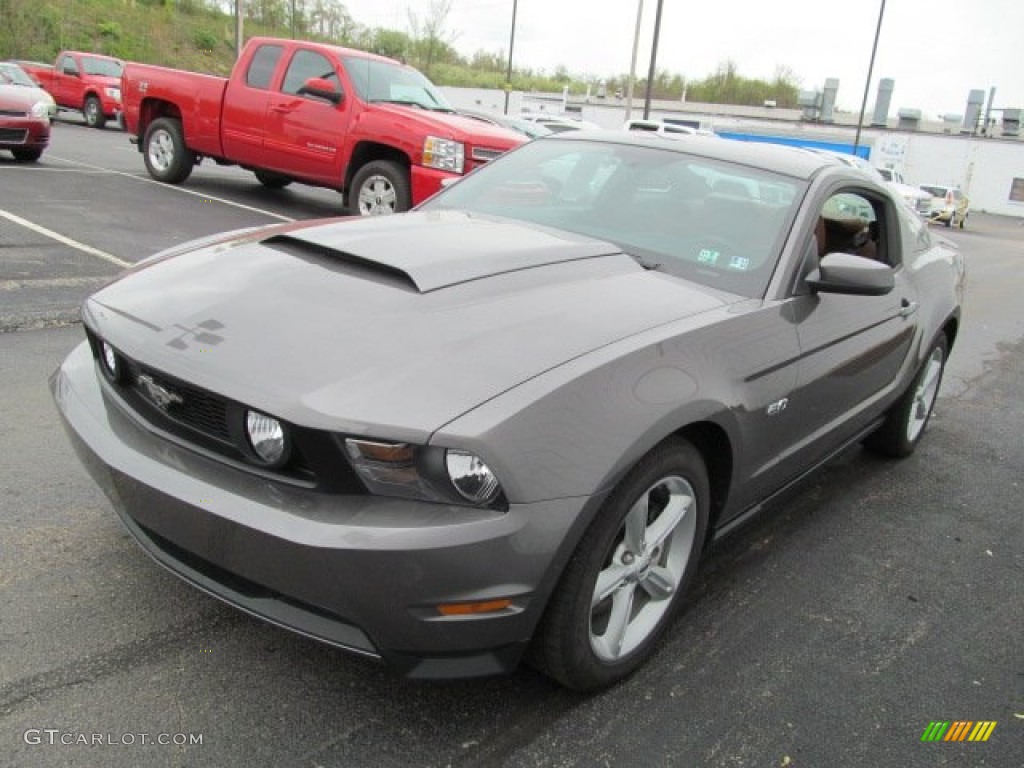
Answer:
(12, 73)
(718, 224)
(377, 80)
(107, 67)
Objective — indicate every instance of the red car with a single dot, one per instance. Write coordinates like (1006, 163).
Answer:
(24, 123)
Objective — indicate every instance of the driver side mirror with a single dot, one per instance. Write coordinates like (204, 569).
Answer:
(321, 89)
(849, 274)
(70, 70)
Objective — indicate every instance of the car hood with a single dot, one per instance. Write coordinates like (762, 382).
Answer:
(391, 326)
(453, 126)
(17, 98)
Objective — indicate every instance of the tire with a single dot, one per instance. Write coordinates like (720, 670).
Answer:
(379, 188)
(27, 155)
(167, 158)
(624, 582)
(272, 180)
(906, 420)
(949, 222)
(92, 110)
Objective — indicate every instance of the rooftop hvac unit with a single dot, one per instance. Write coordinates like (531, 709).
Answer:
(1011, 121)
(880, 118)
(828, 100)
(975, 101)
(910, 119)
(810, 103)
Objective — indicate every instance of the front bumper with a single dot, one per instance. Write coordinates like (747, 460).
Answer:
(24, 133)
(426, 182)
(363, 573)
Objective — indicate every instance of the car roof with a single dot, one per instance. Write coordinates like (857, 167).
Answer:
(791, 161)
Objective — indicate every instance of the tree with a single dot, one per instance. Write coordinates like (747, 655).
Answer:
(430, 40)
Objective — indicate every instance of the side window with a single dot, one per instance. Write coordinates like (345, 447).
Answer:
(261, 68)
(305, 65)
(68, 66)
(851, 222)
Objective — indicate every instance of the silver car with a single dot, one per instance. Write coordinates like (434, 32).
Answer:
(509, 422)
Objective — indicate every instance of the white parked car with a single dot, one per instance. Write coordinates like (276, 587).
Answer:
(557, 123)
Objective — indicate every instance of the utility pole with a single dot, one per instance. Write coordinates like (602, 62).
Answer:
(238, 29)
(511, 45)
(867, 83)
(632, 64)
(654, 59)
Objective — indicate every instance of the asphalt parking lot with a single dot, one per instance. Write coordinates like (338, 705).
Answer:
(829, 632)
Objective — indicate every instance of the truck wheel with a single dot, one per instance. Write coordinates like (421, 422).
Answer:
(272, 180)
(93, 111)
(379, 188)
(27, 155)
(167, 157)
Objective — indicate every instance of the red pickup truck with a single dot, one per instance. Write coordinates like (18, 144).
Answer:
(374, 129)
(87, 82)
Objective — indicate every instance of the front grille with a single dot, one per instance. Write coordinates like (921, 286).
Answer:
(215, 426)
(198, 409)
(13, 135)
(485, 155)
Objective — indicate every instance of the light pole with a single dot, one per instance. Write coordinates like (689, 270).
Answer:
(511, 45)
(654, 59)
(632, 63)
(867, 83)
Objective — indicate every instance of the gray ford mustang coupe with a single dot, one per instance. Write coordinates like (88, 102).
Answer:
(505, 425)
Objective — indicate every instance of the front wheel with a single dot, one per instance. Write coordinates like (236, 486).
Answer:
(624, 582)
(167, 157)
(905, 422)
(27, 155)
(379, 188)
(93, 112)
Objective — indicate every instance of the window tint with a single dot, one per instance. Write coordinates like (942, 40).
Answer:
(849, 224)
(261, 68)
(305, 65)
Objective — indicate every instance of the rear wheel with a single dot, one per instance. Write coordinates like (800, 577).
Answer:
(167, 158)
(905, 422)
(379, 188)
(272, 180)
(625, 580)
(27, 155)
(93, 112)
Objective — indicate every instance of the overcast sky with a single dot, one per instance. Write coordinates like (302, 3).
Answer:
(935, 50)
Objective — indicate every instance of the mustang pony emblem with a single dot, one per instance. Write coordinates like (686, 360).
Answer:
(162, 397)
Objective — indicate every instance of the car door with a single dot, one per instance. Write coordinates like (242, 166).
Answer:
(244, 116)
(67, 82)
(305, 133)
(853, 348)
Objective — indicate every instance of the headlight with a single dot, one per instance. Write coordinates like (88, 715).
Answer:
(426, 473)
(40, 109)
(471, 477)
(113, 93)
(267, 438)
(111, 363)
(444, 154)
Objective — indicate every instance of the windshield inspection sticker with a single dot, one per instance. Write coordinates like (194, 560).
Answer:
(739, 262)
(707, 256)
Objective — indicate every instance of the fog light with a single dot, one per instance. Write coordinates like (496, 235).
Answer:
(110, 360)
(471, 477)
(266, 436)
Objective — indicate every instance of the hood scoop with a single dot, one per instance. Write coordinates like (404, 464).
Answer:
(428, 250)
(341, 261)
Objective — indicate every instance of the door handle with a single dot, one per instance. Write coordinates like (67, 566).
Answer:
(282, 108)
(907, 308)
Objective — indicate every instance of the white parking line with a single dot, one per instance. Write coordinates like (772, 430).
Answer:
(65, 240)
(182, 190)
